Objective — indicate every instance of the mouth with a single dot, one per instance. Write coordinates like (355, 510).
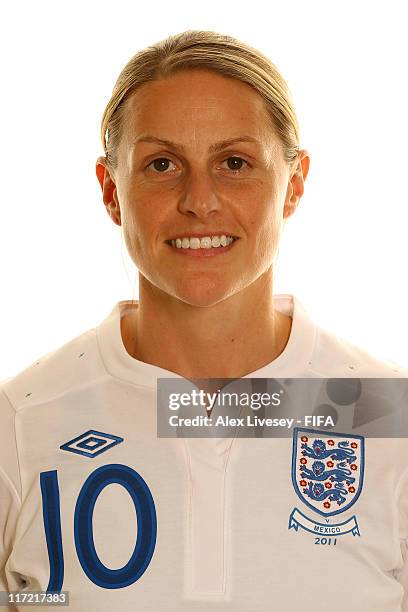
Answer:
(202, 246)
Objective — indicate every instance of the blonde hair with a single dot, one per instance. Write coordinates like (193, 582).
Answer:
(203, 50)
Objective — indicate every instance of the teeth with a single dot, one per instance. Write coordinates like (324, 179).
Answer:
(207, 242)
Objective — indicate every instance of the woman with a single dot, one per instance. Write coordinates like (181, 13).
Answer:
(202, 168)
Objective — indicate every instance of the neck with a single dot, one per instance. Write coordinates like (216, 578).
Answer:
(231, 339)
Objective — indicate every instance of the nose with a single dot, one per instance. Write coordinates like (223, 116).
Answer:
(199, 196)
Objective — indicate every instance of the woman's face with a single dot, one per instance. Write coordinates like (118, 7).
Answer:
(198, 156)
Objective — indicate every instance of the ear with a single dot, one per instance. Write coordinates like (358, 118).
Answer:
(296, 183)
(109, 191)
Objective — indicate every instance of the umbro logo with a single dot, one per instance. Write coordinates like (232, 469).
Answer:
(91, 443)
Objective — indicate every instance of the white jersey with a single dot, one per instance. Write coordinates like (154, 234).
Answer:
(93, 502)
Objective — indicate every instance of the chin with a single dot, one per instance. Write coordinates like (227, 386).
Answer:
(202, 293)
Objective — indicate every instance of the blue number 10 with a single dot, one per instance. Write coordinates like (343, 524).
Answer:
(83, 530)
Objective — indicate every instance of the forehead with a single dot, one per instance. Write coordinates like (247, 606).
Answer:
(199, 102)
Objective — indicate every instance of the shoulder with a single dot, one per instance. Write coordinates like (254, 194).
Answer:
(71, 366)
(334, 356)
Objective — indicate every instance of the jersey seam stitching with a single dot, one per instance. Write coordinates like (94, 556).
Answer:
(19, 496)
(107, 370)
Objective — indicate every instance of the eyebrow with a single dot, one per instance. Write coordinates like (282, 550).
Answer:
(214, 148)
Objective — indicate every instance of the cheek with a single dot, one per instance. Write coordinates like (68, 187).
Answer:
(264, 214)
(134, 231)
(267, 243)
(266, 227)
(143, 228)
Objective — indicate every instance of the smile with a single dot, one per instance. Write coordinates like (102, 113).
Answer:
(205, 242)
(202, 246)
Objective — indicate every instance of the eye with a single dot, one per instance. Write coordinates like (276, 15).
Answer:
(161, 164)
(235, 163)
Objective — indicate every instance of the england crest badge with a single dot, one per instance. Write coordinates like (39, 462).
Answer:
(327, 474)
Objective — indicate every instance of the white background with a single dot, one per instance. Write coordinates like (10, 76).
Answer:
(344, 253)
